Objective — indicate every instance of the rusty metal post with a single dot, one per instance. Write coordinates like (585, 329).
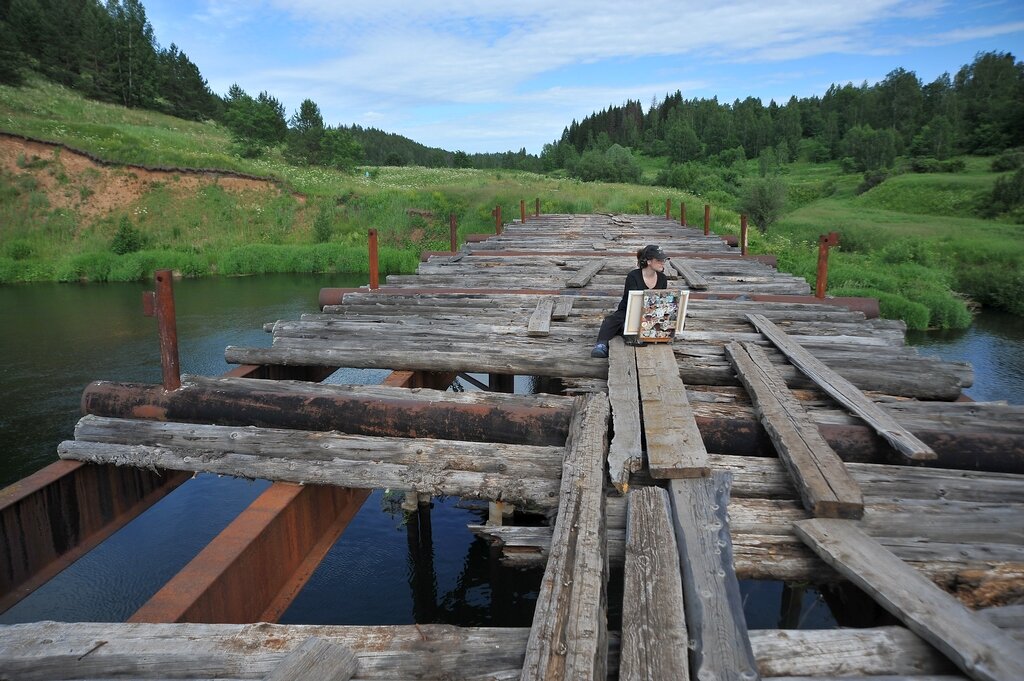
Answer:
(497, 219)
(707, 219)
(536, 207)
(682, 214)
(668, 209)
(374, 262)
(522, 211)
(160, 304)
(825, 241)
(647, 207)
(453, 232)
(743, 234)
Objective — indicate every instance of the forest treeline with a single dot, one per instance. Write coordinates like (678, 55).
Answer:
(108, 51)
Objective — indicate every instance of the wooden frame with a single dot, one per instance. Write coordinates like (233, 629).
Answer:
(655, 316)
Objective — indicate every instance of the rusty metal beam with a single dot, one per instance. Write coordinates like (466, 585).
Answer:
(253, 570)
(233, 405)
(770, 260)
(55, 516)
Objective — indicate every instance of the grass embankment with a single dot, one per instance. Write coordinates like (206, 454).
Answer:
(61, 217)
(911, 241)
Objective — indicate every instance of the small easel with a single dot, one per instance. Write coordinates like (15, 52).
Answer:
(654, 316)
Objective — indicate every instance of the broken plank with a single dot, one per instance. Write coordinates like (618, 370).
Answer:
(976, 646)
(585, 273)
(674, 445)
(540, 320)
(625, 454)
(693, 279)
(844, 392)
(563, 306)
(569, 637)
(316, 660)
(711, 593)
(654, 638)
(825, 485)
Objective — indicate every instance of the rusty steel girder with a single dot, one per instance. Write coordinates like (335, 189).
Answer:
(505, 422)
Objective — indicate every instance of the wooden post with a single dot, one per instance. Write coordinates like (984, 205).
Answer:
(168, 329)
(824, 242)
(453, 232)
(536, 207)
(497, 220)
(668, 209)
(707, 219)
(522, 211)
(743, 234)
(682, 214)
(374, 263)
(647, 207)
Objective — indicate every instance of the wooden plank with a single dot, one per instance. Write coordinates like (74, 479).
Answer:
(693, 279)
(825, 486)
(585, 273)
(844, 392)
(568, 639)
(976, 646)
(563, 306)
(540, 320)
(674, 445)
(711, 594)
(654, 638)
(316, 660)
(625, 455)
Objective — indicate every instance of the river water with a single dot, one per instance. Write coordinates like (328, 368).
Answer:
(61, 337)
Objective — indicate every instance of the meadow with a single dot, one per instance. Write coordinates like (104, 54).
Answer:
(913, 241)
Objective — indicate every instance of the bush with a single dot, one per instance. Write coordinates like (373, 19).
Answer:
(872, 178)
(763, 201)
(127, 239)
(924, 164)
(891, 306)
(1008, 160)
(19, 249)
(1008, 193)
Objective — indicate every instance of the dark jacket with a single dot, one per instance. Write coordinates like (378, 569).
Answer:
(635, 282)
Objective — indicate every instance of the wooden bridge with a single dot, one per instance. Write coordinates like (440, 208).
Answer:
(780, 437)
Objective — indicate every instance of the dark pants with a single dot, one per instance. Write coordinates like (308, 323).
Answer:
(612, 326)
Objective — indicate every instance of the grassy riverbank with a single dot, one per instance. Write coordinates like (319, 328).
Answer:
(911, 241)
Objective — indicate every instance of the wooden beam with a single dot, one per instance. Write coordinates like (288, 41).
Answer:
(625, 455)
(316, 660)
(674, 445)
(693, 279)
(517, 473)
(711, 593)
(568, 639)
(844, 392)
(654, 637)
(540, 320)
(563, 306)
(976, 646)
(825, 486)
(583, 276)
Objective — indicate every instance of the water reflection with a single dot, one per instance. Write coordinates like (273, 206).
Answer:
(994, 345)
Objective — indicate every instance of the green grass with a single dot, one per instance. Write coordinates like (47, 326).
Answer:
(913, 241)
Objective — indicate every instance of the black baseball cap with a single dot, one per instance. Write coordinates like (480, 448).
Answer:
(654, 252)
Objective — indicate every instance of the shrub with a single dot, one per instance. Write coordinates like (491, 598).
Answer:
(872, 178)
(891, 306)
(19, 249)
(763, 201)
(127, 239)
(1008, 193)
(924, 164)
(1008, 160)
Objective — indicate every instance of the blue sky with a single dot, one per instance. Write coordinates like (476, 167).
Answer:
(481, 75)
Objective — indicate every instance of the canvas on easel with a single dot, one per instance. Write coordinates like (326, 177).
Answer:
(655, 316)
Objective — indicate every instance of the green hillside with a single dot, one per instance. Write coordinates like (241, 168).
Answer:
(913, 241)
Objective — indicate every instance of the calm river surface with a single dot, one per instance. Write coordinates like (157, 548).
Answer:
(58, 338)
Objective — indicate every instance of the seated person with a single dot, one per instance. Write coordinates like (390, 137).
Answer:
(649, 274)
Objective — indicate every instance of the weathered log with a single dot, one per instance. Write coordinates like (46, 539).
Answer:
(978, 647)
(674, 446)
(356, 410)
(625, 454)
(568, 639)
(826, 487)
